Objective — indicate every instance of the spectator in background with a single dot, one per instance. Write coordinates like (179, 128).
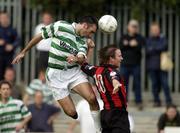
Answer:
(17, 89)
(9, 41)
(131, 46)
(43, 115)
(170, 118)
(13, 114)
(156, 44)
(44, 45)
(39, 85)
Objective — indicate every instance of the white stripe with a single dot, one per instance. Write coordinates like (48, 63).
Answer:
(55, 61)
(59, 53)
(62, 63)
(9, 109)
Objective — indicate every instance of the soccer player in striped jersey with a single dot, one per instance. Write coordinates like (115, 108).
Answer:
(62, 76)
(14, 115)
(114, 117)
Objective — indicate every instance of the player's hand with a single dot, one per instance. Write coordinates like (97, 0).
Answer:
(19, 127)
(9, 47)
(71, 59)
(2, 42)
(133, 43)
(50, 121)
(90, 43)
(18, 58)
(116, 85)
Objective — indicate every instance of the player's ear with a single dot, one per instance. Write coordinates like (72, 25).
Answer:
(85, 25)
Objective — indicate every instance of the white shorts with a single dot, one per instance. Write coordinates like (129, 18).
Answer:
(62, 81)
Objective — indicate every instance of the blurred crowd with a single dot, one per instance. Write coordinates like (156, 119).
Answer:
(35, 102)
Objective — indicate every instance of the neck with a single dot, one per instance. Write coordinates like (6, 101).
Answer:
(77, 29)
(5, 100)
(131, 34)
(39, 105)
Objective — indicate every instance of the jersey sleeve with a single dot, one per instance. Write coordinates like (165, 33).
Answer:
(113, 75)
(50, 31)
(83, 50)
(90, 70)
(24, 111)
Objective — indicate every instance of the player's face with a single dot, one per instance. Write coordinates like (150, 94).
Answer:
(4, 20)
(171, 113)
(5, 91)
(47, 19)
(38, 98)
(116, 61)
(88, 30)
(9, 75)
(155, 30)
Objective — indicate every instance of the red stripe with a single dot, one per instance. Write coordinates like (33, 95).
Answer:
(115, 97)
(104, 98)
(123, 90)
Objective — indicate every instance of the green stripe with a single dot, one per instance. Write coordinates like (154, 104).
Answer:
(10, 113)
(63, 29)
(60, 58)
(25, 113)
(82, 51)
(78, 39)
(8, 129)
(69, 41)
(9, 105)
(54, 45)
(10, 121)
(45, 32)
(47, 74)
(57, 66)
(52, 30)
(83, 48)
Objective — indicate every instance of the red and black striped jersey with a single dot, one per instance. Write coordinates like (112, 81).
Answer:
(103, 76)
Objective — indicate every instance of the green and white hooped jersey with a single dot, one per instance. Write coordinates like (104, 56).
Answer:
(65, 41)
(11, 114)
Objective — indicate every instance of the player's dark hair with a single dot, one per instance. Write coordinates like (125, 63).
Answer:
(171, 106)
(89, 19)
(105, 54)
(2, 82)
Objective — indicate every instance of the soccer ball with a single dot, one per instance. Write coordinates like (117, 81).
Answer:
(107, 24)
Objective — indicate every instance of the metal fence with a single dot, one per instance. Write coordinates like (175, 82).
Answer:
(24, 19)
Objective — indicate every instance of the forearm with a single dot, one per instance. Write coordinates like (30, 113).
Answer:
(80, 59)
(89, 54)
(32, 43)
(26, 120)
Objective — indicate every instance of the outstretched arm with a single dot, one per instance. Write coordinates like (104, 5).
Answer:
(91, 46)
(32, 43)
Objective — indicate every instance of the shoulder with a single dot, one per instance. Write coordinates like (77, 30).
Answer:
(16, 101)
(162, 117)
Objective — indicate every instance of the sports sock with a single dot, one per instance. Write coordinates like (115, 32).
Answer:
(96, 118)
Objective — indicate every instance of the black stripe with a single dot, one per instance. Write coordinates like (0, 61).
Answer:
(122, 98)
(107, 93)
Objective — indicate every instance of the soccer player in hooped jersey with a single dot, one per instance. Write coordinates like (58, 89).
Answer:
(114, 117)
(14, 115)
(68, 39)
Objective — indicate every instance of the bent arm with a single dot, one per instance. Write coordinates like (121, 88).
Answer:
(26, 120)
(32, 43)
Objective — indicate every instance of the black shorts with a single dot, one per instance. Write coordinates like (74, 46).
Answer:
(115, 121)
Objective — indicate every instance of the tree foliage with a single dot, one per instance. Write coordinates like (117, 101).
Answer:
(98, 7)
